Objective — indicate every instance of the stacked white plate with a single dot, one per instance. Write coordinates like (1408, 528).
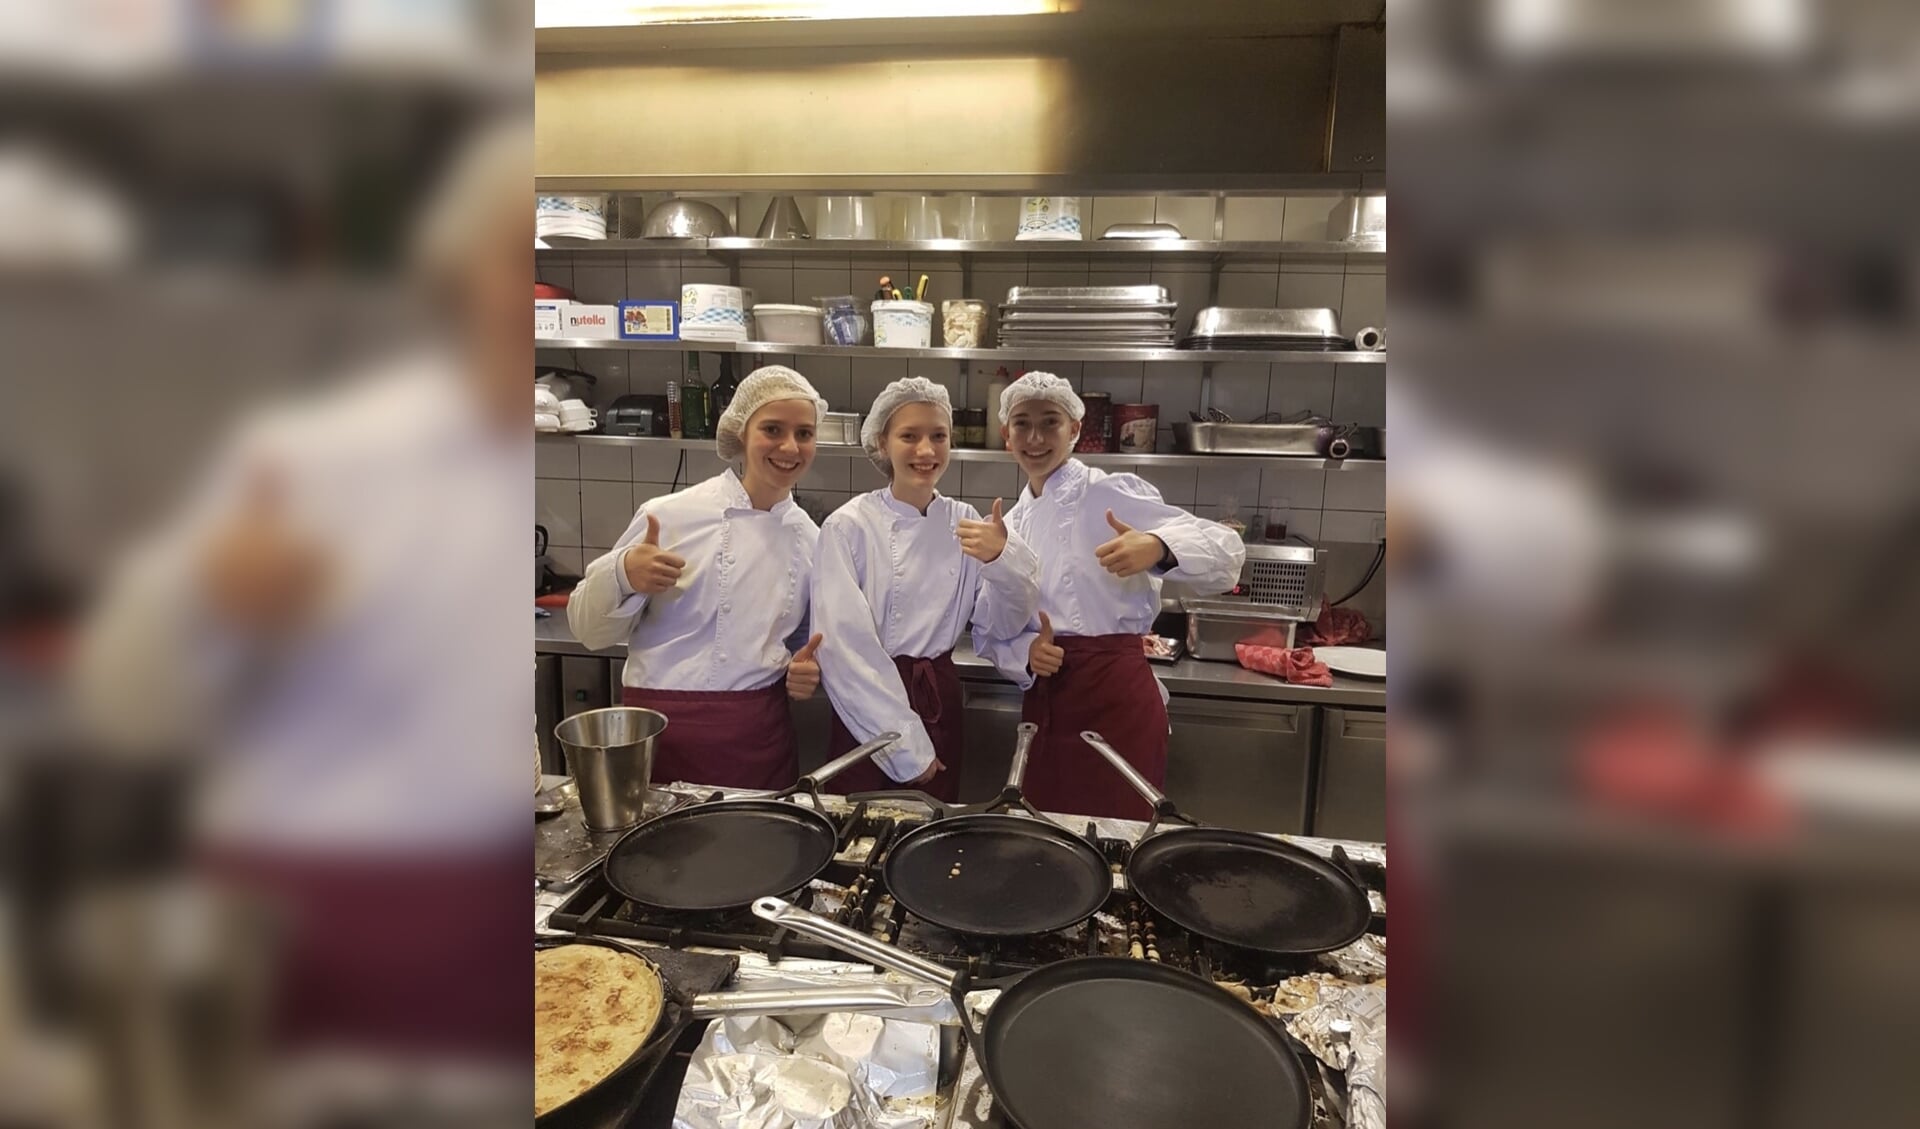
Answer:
(573, 217)
(1135, 317)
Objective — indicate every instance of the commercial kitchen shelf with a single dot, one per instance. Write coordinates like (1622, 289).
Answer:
(732, 246)
(1053, 353)
(978, 455)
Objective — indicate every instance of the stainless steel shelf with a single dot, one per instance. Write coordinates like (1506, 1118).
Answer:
(1059, 353)
(730, 246)
(976, 455)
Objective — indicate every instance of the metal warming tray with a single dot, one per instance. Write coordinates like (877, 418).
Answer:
(839, 427)
(1318, 324)
(1281, 587)
(1141, 231)
(1246, 438)
(1146, 295)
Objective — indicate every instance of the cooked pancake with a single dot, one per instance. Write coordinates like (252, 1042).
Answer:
(592, 1008)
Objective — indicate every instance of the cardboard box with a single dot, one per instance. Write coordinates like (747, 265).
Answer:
(649, 321)
(602, 322)
(546, 316)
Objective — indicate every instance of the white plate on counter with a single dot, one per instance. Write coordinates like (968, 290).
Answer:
(1361, 662)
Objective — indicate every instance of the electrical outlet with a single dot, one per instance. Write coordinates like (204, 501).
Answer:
(1378, 530)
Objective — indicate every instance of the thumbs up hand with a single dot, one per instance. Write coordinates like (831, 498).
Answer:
(803, 672)
(1130, 552)
(1044, 658)
(650, 569)
(984, 541)
(260, 572)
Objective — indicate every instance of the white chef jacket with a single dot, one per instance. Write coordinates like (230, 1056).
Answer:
(398, 720)
(890, 581)
(724, 626)
(1066, 524)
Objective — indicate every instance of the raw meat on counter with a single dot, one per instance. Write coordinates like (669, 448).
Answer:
(1336, 627)
(1297, 666)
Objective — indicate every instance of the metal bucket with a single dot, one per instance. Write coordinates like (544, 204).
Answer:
(610, 755)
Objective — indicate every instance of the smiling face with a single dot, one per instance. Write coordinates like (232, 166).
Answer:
(779, 443)
(1041, 436)
(917, 445)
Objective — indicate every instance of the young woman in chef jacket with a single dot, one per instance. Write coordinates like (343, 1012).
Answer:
(901, 572)
(706, 585)
(1105, 543)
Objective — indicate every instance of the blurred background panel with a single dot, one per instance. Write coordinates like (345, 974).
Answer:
(1654, 291)
(222, 227)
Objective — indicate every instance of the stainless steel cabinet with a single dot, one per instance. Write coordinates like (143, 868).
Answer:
(1351, 801)
(993, 713)
(1241, 764)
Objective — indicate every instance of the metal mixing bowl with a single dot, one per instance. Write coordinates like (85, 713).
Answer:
(682, 219)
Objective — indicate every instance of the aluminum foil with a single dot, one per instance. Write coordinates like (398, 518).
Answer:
(1347, 1030)
(1365, 959)
(837, 1071)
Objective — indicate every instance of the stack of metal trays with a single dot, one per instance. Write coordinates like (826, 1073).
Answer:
(1135, 317)
(1222, 327)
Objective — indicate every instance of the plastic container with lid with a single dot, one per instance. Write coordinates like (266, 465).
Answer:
(844, 319)
(787, 324)
(963, 323)
(902, 325)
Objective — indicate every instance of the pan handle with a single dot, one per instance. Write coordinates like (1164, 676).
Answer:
(817, 1001)
(812, 780)
(1022, 746)
(851, 941)
(1153, 795)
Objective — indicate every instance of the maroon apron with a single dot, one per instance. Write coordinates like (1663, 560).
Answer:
(933, 689)
(400, 952)
(729, 738)
(1104, 685)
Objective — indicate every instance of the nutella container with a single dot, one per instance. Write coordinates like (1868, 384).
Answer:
(1135, 427)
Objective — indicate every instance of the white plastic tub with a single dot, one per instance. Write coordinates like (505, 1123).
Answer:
(902, 325)
(712, 313)
(785, 324)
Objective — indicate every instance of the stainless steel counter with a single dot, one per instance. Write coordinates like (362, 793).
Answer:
(1186, 678)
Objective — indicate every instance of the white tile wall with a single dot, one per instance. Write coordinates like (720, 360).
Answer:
(1240, 390)
(1357, 487)
(556, 505)
(600, 462)
(1348, 525)
(1360, 395)
(606, 509)
(1193, 215)
(1256, 217)
(556, 458)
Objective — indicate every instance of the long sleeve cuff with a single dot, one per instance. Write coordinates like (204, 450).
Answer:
(910, 756)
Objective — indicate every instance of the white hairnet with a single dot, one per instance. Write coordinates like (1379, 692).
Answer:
(761, 387)
(1041, 386)
(912, 390)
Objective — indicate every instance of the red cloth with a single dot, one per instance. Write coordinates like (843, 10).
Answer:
(1104, 685)
(398, 952)
(1297, 666)
(731, 738)
(1336, 627)
(933, 688)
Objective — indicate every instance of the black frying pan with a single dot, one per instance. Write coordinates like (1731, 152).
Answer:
(996, 873)
(1239, 887)
(1106, 1041)
(724, 854)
